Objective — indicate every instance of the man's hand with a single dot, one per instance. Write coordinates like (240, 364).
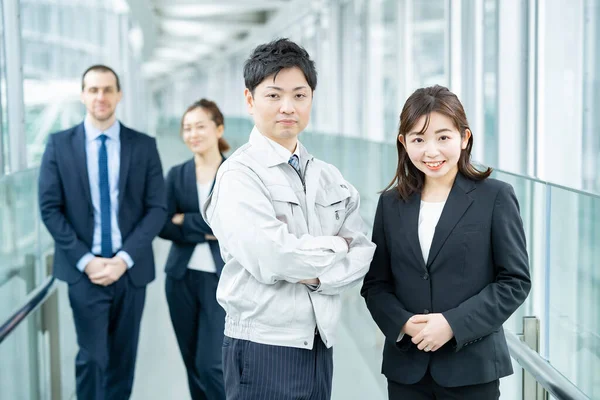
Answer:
(177, 219)
(412, 329)
(314, 281)
(208, 236)
(436, 333)
(113, 269)
(95, 265)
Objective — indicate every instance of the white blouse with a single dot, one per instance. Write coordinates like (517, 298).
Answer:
(429, 216)
(202, 259)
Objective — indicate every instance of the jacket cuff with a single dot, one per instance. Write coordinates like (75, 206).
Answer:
(126, 257)
(84, 261)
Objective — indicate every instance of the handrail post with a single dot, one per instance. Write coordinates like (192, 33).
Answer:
(28, 275)
(531, 337)
(51, 324)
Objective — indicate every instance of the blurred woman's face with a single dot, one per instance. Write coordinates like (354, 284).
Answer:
(200, 133)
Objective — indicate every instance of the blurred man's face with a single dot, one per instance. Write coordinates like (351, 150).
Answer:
(100, 95)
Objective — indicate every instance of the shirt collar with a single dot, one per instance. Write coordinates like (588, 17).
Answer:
(91, 132)
(275, 153)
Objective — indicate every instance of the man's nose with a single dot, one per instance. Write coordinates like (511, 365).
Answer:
(287, 106)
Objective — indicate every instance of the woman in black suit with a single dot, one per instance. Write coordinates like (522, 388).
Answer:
(194, 263)
(451, 263)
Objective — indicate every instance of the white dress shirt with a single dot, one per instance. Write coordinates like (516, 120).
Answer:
(113, 149)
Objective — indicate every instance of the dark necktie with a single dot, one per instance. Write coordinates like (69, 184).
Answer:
(294, 162)
(106, 236)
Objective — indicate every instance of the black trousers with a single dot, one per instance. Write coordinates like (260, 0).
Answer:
(428, 389)
(255, 371)
(198, 321)
(107, 320)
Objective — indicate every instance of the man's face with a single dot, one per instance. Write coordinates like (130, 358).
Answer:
(281, 106)
(100, 95)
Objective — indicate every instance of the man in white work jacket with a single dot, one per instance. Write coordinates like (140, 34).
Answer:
(291, 237)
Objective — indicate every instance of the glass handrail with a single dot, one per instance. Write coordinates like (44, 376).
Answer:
(548, 183)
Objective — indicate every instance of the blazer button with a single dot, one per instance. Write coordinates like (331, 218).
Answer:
(426, 276)
(425, 311)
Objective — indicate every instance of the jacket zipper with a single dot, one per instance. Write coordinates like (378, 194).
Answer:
(302, 176)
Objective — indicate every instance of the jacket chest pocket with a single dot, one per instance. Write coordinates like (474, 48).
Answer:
(285, 203)
(331, 208)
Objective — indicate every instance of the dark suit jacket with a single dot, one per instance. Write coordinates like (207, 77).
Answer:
(477, 275)
(66, 203)
(182, 197)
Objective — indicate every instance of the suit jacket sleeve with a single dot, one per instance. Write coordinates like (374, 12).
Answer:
(378, 287)
(155, 207)
(485, 312)
(51, 200)
(194, 227)
(173, 232)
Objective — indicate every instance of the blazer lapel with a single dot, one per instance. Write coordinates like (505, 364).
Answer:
(126, 151)
(189, 178)
(457, 204)
(410, 218)
(80, 157)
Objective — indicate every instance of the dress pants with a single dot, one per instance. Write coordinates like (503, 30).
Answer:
(198, 321)
(428, 389)
(255, 371)
(107, 321)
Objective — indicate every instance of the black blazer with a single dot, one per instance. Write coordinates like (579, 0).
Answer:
(66, 203)
(182, 197)
(477, 275)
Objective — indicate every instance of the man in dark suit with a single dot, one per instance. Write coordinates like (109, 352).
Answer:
(101, 194)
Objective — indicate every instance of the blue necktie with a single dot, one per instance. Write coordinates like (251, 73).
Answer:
(294, 162)
(106, 235)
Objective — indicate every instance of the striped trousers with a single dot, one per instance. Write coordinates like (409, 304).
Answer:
(255, 371)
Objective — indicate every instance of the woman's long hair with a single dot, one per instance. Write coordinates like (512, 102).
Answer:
(211, 108)
(409, 179)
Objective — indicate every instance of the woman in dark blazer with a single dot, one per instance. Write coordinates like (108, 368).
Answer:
(451, 263)
(194, 263)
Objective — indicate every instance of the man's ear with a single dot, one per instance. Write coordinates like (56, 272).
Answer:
(249, 100)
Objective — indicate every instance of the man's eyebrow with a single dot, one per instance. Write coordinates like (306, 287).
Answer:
(279, 88)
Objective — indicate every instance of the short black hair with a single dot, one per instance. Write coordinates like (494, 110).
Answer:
(270, 58)
(100, 68)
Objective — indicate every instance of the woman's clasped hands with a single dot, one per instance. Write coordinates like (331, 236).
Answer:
(428, 331)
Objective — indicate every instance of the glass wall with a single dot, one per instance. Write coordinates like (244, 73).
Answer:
(526, 72)
(388, 38)
(3, 114)
(429, 41)
(60, 40)
(591, 96)
(490, 81)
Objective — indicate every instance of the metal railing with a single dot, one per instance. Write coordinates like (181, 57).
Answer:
(45, 298)
(540, 378)
(33, 302)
